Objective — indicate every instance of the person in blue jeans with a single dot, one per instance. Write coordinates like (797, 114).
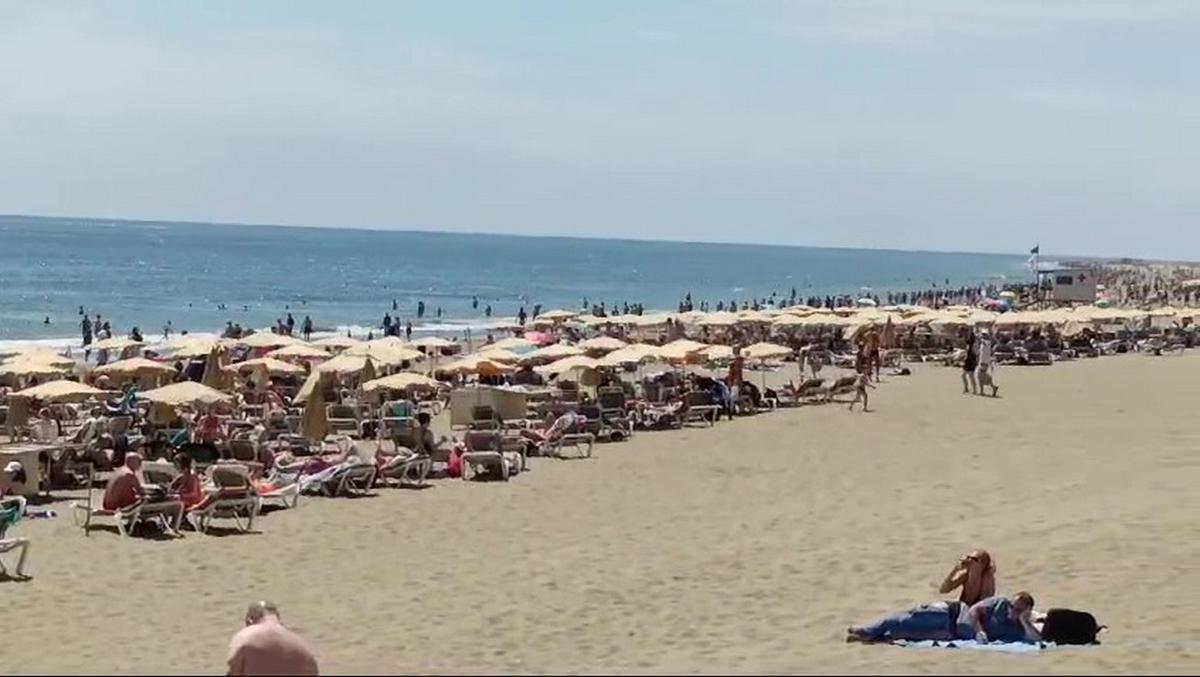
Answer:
(997, 618)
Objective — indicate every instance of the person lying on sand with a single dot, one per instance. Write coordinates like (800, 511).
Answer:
(975, 574)
(995, 619)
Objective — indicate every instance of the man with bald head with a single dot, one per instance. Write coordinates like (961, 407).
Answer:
(266, 647)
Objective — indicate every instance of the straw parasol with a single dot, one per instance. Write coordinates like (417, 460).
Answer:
(681, 349)
(60, 391)
(717, 319)
(32, 366)
(433, 342)
(338, 342)
(299, 351)
(498, 355)
(552, 352)
(766, 351)
(116, 343)
(475, 364)
(602, 344)
(187, 392)
(135, 365)
(344, 364)
(42, 355)
(569, 364)
(265, 339)
(556, 315)
(402, 381)
(315, 424)
(511, 343)
(198, 347)
(716, 353)
(388, 354)
(635, 353)
(270, 365)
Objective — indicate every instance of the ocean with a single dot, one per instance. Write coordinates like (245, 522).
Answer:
(199, 276)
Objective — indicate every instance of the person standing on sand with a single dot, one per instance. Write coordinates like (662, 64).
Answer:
(307, 328)
(267, 647)
(737, 372)
(970, 364)
(985, 371)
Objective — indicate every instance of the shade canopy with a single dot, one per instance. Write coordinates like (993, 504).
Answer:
(265, 339)
(602, 343)
(403, 381)
(433, 342)
(271, 365)
(60, 391)
(569, 364)
(299, 352)
(115, 343)
(135, 365)
(336, 342)
(766, 351)
(187, 392)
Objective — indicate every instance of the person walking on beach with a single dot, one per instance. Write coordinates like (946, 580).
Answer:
(408, 330)
(86, 327)
(291, 324)
(986, 365)
(737, 370)
(970, 364)
(307, 328)
(267, 647)
(420, 309)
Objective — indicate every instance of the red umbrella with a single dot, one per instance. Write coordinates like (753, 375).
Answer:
(540, 338)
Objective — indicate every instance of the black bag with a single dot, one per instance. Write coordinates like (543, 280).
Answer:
(1067, 626)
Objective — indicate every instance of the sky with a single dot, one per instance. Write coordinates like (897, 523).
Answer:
(916, 124)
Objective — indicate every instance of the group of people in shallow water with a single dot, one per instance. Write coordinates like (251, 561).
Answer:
(978, 614)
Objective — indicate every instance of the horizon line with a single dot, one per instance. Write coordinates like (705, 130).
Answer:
(175, 222)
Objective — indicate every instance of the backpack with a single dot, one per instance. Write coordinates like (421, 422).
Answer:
(1067, 626)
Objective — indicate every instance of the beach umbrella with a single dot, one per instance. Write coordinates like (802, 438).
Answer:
(866, 301)
(475, 364)
(511, 343)
(681, 349)
(186, 392)
(199, 347)
(299, 352)
(212, 376)
(40, 355)
(552, 353)
(315, 424)
(498, 354)
(116, 343)
(540, 338)
(436, 342)
(556, 315)
(368, 370)
(265, 339)
(789, 320)
(602, 344)
(270, 365)
(766, 351)
(568, 364)
(717, 353)
(338, 342)
(717, 319)
(135, 365)
(25, 367)
(635, 353)
(60, 391)
(403, 381)
(344, 364)
(387, 354)
(756, 317)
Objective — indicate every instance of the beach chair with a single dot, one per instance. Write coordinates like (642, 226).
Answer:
(355, 480)
(342, 418)
(487, 449)
(9, 517)
(397, 415)
(84, 513)
(236, 500)
(246, 452)
(161, 473)
(611, 401)
(405, 470)
(700, 407)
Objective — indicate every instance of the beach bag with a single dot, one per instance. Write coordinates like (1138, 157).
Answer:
(1067, 626)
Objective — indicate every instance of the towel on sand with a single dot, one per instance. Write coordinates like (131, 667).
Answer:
(972, 645)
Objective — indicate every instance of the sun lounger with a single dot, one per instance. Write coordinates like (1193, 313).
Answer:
(86, 512)
(700, 407)
(8, 545)
(236, 500)
(355, 480)
(839, 386)
(342, 418)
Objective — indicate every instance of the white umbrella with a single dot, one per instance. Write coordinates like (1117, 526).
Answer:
(187, 392)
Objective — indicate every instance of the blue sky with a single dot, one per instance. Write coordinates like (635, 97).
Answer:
(918, 124)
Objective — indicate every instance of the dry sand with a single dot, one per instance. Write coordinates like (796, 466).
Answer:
(744, 548)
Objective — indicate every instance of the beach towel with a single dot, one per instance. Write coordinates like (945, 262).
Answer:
(972, 645)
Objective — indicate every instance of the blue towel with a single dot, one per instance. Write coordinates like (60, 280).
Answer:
(972, 645)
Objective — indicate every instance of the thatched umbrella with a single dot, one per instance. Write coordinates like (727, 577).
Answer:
(270, 365)
(60, 391)
(315, 424)
(404, 380)
(602, 344)
(299, 352)
(186, 392)
(212, 369)
(268, 340)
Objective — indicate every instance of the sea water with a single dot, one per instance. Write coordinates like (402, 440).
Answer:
(200, 276)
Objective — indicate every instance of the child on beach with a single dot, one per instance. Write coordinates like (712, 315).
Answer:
(860, 390)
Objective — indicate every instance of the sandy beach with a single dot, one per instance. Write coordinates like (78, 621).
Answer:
(748, 547)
